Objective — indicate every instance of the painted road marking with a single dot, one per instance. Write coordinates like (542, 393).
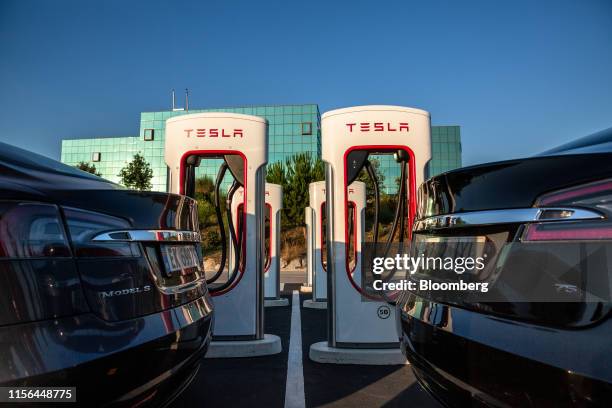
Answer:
(294, 391)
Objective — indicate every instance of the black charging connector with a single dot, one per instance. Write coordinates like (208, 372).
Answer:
(235, 164)
(355, 161)
(401, 156)
(193, 160)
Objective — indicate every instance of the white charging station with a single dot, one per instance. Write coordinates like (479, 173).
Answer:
(315, 228)
(241, 142)
(272, 234)
(361, 330)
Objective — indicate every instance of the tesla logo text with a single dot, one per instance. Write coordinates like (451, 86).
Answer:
(214, 132)
(378, 127)
(121, 292)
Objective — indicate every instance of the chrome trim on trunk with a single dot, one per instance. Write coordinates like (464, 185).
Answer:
(147, 236)
(509, 216)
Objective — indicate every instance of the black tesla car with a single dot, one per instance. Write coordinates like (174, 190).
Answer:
(101, 288)
(541, 332)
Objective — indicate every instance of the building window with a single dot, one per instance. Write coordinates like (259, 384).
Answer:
(306, 128)
(96, 156)
(149, 134)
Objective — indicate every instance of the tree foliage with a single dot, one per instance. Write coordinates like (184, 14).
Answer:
(276, 174)
(88, 167)
(205, 195)
(380, 177)
(205, 185)
(387, 202)
(295, 174)
(137, 174)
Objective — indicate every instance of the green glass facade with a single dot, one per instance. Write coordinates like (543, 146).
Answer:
(445, 149)
(292, 129)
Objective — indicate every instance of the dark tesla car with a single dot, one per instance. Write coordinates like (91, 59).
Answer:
(101, 287)
(541, 335)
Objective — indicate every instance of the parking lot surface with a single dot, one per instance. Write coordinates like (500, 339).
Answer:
(261, 381)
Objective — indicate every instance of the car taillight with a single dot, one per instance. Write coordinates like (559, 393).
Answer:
(594, 196)
(84, 225)
(31, 230)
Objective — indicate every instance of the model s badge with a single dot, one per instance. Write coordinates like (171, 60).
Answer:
(121, 292)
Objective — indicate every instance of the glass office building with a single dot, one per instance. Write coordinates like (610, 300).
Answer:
(292, 129)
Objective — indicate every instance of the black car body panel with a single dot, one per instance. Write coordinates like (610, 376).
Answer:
(55, 284)
(508, 184)
(599, 142)
(466, 359)
(104, 315)
(107, 361)
(519, 352)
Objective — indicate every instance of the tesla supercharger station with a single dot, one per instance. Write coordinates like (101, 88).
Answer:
(361, 330)
(240, 142)
(315, 232)
(272, 231)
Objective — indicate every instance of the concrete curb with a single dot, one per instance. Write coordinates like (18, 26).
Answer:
(313, 304)
(322, 353)
(276, 302)
(269, 345)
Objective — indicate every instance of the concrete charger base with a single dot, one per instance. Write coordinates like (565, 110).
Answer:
(314, 304)
(269, 345)
(276, 302)
(322, 353)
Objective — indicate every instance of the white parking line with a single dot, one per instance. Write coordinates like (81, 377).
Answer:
(294, 391)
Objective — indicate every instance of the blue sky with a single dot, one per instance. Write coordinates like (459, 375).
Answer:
(518, 76)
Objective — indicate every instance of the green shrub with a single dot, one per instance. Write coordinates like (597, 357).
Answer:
(211, 239)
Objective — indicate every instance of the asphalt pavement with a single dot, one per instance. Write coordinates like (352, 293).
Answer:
(261, 381)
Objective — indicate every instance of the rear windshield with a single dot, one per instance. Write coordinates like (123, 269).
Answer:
(600, 142)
